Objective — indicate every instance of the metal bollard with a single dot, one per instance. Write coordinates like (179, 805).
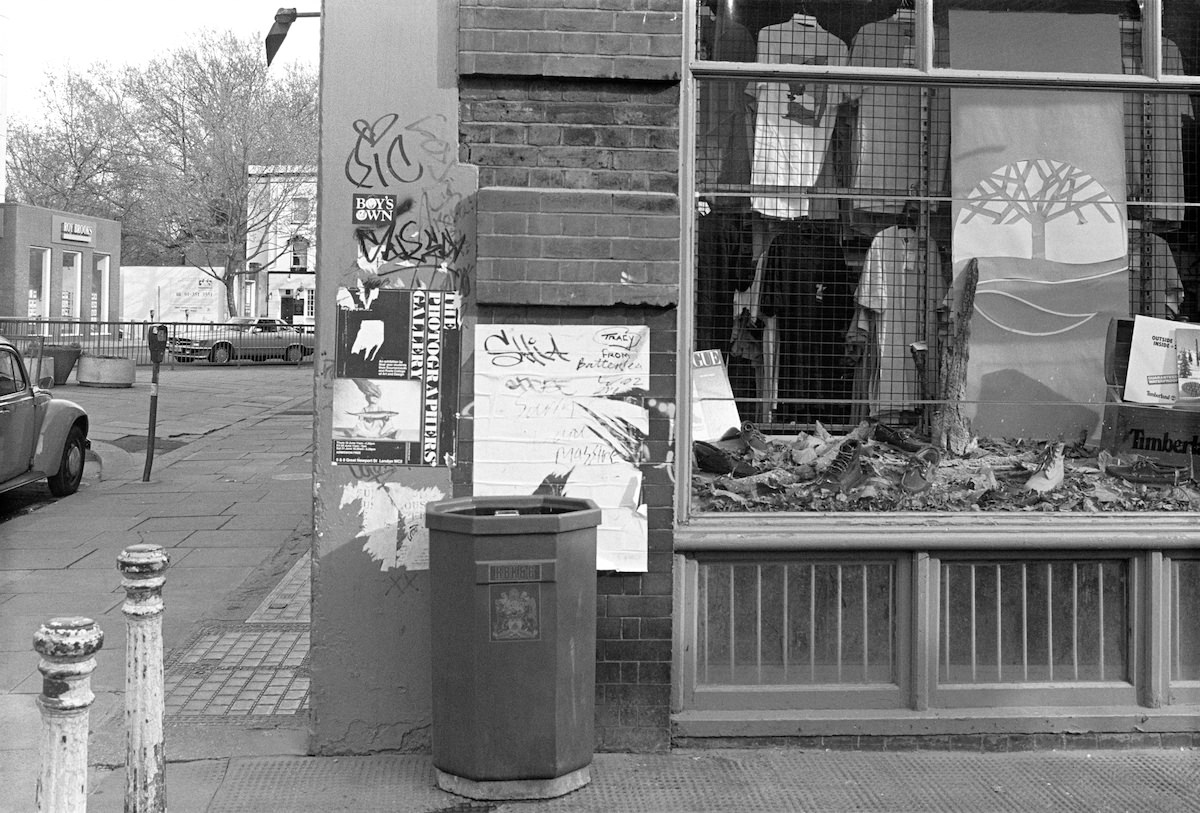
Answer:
(142, 568)
(67, 646)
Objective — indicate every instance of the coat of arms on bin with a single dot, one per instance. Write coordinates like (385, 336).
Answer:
(515, 614)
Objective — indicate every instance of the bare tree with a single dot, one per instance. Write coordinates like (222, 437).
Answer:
(74, 156)
(167, 150)
(207, 113)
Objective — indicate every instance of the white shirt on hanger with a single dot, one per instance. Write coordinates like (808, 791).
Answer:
(794, 120)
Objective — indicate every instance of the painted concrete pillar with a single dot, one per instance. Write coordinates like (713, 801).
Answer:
(67, 646)
(396, 252)
(142, 568)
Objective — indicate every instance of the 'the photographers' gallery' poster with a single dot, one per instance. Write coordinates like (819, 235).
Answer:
(395, 368)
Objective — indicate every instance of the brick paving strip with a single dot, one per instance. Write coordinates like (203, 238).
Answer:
(240, 672)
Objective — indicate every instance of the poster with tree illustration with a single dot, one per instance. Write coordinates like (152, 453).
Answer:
(1039, 189)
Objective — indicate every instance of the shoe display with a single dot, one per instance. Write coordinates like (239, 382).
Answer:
(1049, 473)
(754, 438)
(846, 471)
(716, 460)
(918, 473)
(898, 438)
(1147, 471)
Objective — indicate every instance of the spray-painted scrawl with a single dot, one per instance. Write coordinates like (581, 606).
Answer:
(422, 244)
(561, 410)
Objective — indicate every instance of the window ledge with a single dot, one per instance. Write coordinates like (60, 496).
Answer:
(940, 722)
(924, 531)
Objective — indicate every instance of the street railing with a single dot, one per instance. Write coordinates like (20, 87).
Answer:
(35, 337)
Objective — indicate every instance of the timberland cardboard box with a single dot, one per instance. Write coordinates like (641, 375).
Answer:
(1163, 433)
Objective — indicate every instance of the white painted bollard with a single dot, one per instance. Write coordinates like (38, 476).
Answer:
(142, 568)
(67, 647)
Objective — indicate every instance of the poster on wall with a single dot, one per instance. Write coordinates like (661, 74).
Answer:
(1038, 187)
(559, 410)
(394, 388)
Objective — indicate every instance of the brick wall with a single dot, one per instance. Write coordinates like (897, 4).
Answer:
(577, 145)
(570, 111)
(604, 39)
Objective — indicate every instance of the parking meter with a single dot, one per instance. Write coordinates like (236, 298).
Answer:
(156, 335)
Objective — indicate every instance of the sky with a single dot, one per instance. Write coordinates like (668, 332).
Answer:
(42, 35)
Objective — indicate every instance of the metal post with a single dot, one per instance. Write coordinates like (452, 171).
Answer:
(142, 568)
(67, 646)
(153, 427)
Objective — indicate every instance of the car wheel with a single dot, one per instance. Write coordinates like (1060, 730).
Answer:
(70, 468)
(293, 354)
(221, 354)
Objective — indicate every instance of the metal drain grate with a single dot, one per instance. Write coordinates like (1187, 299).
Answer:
(137, 443)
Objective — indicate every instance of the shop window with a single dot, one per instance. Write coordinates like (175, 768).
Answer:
(923, 297)
(71, 281)
(39, 283)
(1023, 622)
(797, 623)
(99, 287)
(1185, 634)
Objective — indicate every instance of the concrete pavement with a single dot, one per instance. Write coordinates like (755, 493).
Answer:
(229, 498)
(230, 501)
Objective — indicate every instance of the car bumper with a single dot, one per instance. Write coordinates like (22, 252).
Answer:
(189, 351)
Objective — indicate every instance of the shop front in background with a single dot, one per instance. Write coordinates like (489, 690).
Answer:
(65, 267)
(942, 419)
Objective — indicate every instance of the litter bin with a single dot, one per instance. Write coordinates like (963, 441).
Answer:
(513, 623)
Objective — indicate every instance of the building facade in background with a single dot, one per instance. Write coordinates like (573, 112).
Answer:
(59, 266)
(282, 250)
(562, 245)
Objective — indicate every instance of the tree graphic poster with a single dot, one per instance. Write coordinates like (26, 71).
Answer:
(1039, 189)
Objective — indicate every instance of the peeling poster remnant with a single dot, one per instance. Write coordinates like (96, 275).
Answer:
(561, 410)
(393, 522)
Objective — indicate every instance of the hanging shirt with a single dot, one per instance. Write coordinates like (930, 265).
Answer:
(894, 288)
(794, 120)
(886, 150)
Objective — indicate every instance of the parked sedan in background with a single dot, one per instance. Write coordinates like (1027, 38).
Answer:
(41, 437)
(242, 337)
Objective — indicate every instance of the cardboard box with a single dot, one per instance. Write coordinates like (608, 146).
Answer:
(1167, 435)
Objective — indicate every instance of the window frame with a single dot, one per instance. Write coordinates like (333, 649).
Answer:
(706, 525)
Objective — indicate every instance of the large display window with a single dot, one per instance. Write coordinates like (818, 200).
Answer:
(928, 275)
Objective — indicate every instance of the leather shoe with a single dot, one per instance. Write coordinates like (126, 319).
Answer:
(716, 460)
(1049, 473)
(846, 471)
(1147, 471)
(898, 438)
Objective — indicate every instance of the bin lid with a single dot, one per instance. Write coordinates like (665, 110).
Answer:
(519, 514)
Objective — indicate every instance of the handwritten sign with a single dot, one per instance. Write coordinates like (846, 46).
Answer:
(560, 410)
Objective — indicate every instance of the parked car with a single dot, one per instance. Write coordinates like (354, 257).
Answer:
(41, 437)
(242, 337)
